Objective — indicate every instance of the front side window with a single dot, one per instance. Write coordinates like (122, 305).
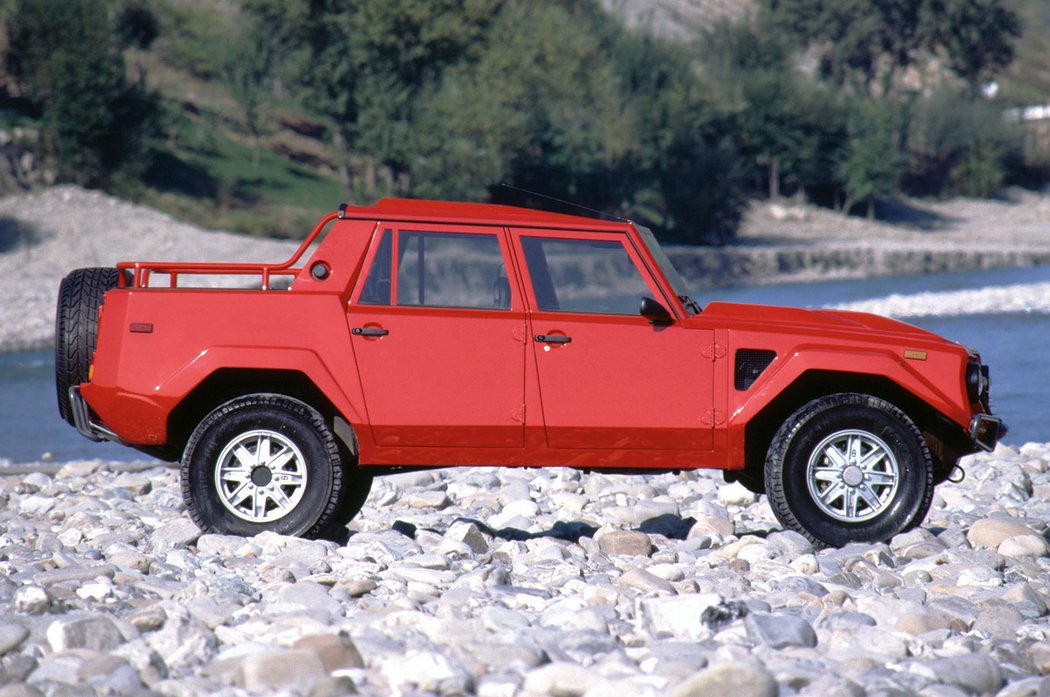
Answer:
(588, 276)
(451, 270)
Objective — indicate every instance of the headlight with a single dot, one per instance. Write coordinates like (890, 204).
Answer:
(977, 382)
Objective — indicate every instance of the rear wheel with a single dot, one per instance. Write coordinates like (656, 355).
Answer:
(76, 328)
(849, 468)
(268, 462)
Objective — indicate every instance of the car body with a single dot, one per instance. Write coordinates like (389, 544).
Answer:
(437, 334)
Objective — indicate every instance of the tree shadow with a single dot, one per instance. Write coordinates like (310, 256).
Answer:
(16, 233)
(907, 214)
(168, 172)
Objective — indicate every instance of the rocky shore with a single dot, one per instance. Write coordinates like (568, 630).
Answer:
(522, 582)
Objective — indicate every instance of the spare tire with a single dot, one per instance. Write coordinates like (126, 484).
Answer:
(76, 328)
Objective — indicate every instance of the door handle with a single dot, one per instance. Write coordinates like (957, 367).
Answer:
(370, 331)
(553, 339)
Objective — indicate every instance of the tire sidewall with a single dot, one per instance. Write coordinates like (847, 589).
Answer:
(230, 422)
(900, 436)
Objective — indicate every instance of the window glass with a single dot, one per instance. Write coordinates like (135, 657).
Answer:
(593, 276)
(451, 270)
(377, 284)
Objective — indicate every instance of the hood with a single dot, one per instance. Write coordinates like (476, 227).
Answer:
(824, 322)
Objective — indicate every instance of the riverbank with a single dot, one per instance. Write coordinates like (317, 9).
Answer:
(46, 234)
(523, 582)
(796, 242)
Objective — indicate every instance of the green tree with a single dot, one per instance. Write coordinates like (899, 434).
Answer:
(783, 123)
(248, 68)
(93, 124)
(686, 173)
(365, 64)
(976, 36)
(446, 99)
(868, 43)
(871, 164)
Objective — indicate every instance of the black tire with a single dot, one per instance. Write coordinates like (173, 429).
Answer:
(284, 471)
(849, 468)
(76, 328)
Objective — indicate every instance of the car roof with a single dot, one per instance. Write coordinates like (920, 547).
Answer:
(420, 210)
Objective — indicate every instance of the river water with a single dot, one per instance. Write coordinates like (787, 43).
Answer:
(1013, 344)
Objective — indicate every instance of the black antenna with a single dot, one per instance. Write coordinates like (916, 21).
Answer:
(571, 204)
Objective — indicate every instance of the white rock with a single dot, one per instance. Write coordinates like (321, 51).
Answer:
(563, 679)
(678, 617)
(428, 671)
(1023, 546)
(736, 494)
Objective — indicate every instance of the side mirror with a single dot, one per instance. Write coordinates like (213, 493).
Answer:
(655, 312)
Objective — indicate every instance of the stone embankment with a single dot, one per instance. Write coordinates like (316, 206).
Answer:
(523, 582)
(758, 264)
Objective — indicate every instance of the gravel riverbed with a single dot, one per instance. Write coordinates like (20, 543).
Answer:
(522, 582)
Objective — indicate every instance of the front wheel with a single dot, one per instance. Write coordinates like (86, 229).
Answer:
(268, 462)
(849, 468)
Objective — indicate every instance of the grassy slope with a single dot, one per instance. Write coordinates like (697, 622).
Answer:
(208, 170)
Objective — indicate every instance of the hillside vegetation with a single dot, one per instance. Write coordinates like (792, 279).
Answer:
(256, 115)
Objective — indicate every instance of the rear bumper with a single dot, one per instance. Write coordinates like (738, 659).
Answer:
(82, 419)
(986, 430)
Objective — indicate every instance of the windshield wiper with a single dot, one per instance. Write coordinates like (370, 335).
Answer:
(690, 304)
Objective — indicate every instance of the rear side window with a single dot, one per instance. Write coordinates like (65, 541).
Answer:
(451, 270)
(377, 283)
(438, 269)
(587, 276)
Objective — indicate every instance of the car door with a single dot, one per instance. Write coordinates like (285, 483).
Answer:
(438, 337)
(610, 379)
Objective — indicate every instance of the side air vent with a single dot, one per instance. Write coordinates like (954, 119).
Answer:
(750, 363)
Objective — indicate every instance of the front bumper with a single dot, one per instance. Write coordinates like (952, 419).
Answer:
(986, 430)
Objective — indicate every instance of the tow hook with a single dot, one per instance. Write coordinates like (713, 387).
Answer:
(956, 475)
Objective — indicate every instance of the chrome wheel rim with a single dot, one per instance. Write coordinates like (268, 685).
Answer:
(853, 476)
(261, 476)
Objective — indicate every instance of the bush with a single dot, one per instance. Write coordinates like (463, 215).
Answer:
(959, 145)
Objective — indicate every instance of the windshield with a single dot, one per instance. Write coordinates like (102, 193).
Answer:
(678, 283)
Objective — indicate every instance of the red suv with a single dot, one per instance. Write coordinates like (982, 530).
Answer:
(429, 334)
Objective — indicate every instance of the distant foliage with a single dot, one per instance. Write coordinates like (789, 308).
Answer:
(959, 144)
(869, 43)
(843, 102)
(94, 125)
(446, 99)
(853, 100)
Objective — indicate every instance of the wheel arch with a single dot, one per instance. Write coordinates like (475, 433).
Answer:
(227, 384)
(936, 429)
